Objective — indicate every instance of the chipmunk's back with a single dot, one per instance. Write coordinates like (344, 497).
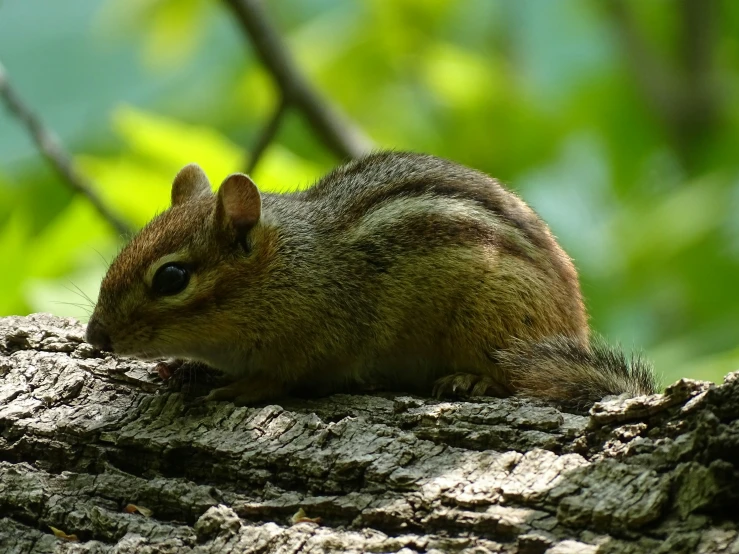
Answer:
(418, 202)
(403, 186)
(425, 260)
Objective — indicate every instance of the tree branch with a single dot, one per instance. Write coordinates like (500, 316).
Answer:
(267, 135)
(337, 132)
(51, 148)
(84, 449)
(685, 97)
(660, 85)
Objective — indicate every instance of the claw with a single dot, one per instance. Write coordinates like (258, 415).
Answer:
(469, 384)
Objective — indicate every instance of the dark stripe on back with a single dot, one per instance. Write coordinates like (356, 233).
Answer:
(376, 197)
(428, 231)
(353, 190)
(369, 182)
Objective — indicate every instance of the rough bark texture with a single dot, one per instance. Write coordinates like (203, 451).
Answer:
(82, 435)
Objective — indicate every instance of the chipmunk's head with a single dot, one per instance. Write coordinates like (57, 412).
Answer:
(170, 290)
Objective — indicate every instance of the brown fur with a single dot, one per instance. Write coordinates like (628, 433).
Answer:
(398, 270)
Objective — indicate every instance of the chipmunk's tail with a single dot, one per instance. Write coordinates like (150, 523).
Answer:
(564, 371)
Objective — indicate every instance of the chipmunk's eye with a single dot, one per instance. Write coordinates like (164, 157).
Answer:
(170, 279)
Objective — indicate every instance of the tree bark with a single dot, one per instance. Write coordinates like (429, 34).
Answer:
(84, 434)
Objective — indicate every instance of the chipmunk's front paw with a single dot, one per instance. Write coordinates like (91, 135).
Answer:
(222, 393)
(245, 392)
(190, 378)
(168, 368)
(469, 384)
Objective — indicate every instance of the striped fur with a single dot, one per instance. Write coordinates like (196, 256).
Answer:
(396, 270)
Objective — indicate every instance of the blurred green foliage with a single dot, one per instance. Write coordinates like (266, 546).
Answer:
(621, 127)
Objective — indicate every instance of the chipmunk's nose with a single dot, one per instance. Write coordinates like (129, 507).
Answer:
(97, 336)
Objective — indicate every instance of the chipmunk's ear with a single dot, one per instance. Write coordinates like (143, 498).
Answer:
(239, 204)
(190, 184)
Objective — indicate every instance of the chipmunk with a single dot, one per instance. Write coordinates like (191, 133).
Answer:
(397, 270)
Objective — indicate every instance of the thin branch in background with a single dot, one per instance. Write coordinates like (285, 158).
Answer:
(699, 43)
(686, 97)
(51, 148)
(337, 132)
(659, 83)
(267, 135)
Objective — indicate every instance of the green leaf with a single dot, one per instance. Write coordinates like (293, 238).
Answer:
(170, 143)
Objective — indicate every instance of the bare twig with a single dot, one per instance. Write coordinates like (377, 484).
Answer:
(684, 95)
(267, 134)
(51, 148)
(337, 131)
(659, 83)
(699, 41)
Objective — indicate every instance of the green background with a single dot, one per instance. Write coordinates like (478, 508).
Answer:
(617, 121)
